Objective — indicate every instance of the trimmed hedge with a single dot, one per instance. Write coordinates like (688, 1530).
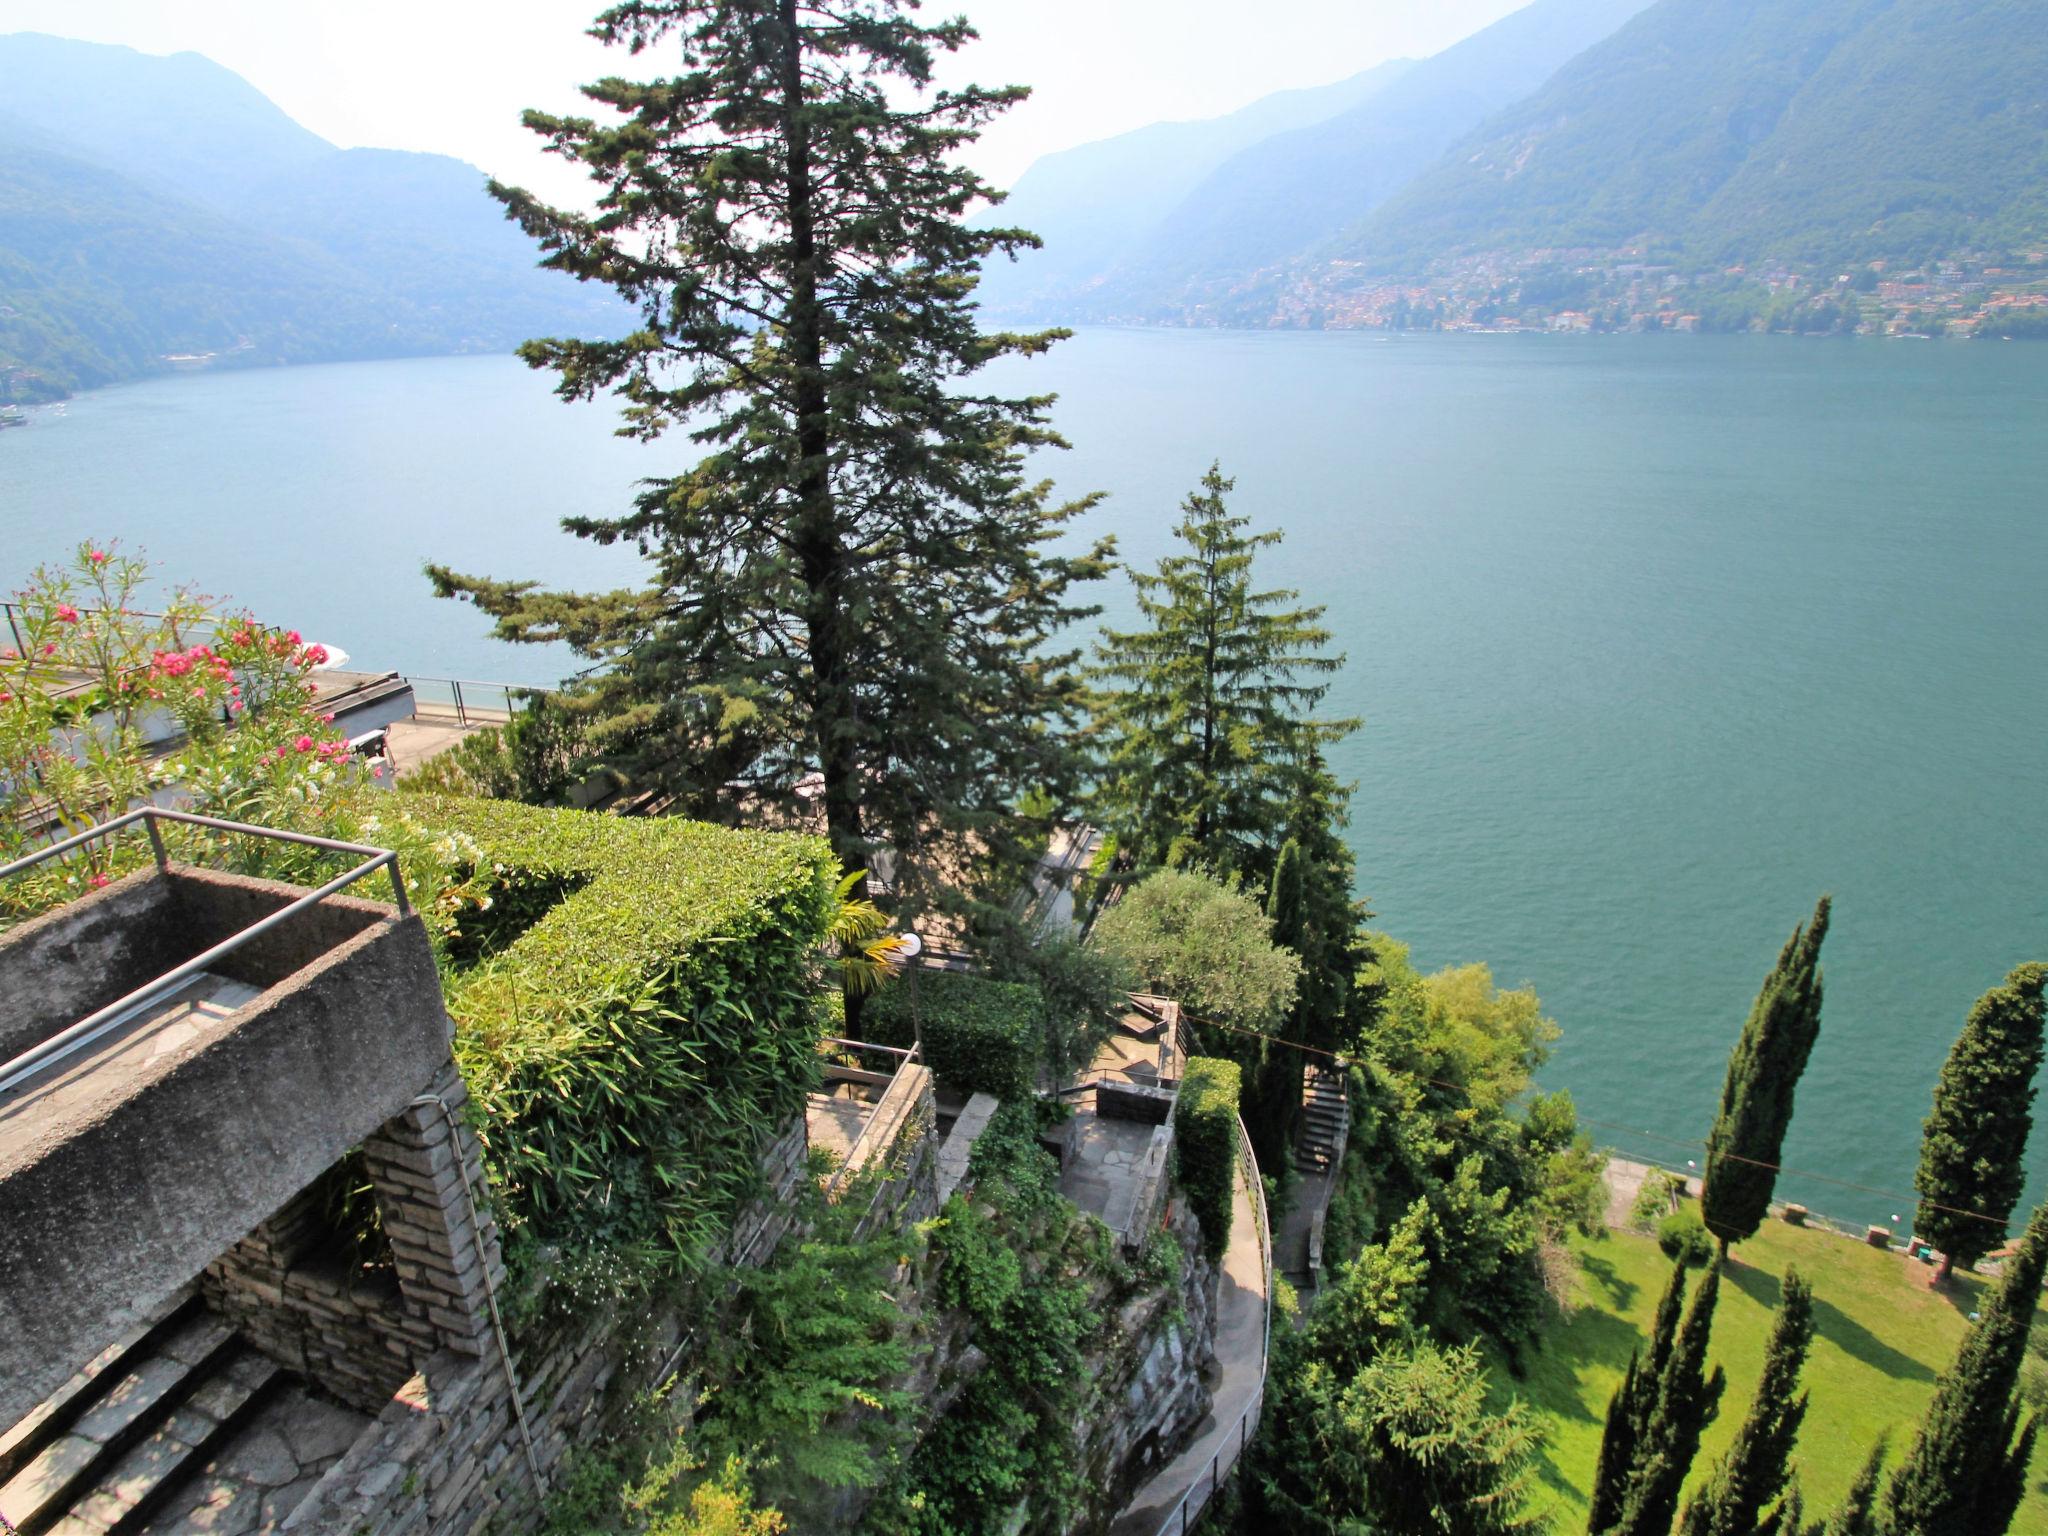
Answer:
(980, 1036)
(1205, 1145)
(634, 1015)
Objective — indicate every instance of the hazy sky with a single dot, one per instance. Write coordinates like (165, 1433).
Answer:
(453, 75)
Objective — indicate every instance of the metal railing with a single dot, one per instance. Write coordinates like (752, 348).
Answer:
(858, 1152)
(82, 1034)
(471, 702)
(1182, 1517)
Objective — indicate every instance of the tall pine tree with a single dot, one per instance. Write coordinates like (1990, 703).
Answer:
(1209, 705)
(1961, 1476)
(1736, 1500)
(856, 584)
(1748, 1138)
(1973, 1148)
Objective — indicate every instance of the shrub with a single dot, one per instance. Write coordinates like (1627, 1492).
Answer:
(1656, 1198)
(1205, 1143)
(637, 1020)
(979, 1036)
(1683, 1236)
(1192, 937)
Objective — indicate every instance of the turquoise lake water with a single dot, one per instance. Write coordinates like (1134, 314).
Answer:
(1655, 638)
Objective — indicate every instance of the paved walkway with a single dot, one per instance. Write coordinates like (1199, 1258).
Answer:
(1240, 1372)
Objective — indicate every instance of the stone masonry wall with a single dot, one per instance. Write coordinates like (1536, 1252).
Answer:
(447, 1457)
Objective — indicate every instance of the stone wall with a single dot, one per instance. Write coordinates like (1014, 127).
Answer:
(447, 1455)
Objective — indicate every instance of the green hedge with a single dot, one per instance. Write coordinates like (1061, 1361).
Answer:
(979, 1036)
(634, 1013)
(1205, 1145)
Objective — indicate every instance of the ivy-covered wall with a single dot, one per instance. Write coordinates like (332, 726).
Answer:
(635, 1015)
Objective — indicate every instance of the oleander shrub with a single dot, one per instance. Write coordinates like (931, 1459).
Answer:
(634, 1015)
(1205, 1145)
(980, 1036)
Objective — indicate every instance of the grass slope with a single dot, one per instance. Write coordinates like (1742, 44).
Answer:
(1879, 1343)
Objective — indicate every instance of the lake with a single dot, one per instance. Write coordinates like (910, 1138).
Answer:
(1655, 639)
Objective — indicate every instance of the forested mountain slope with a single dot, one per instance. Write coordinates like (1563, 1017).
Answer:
(151, 206)
(1803, 131)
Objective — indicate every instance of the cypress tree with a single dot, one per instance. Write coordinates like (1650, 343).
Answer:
(1958, 1478)
(1748, 1138)
(1856, 1515)
(856, 584)
(1208, 704)
(1734, 1500)
(1687, 1397)
(1631, 1408)
(1975, 1141)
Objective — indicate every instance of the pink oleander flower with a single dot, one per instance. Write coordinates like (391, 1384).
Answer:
(304, 743)
(66, 614)
(97, 882)
(96, 556)
(6, 698)
(8, 656)
(234, 706)
(292, 637)
(48, 650)
(377, 772)
(317, 655)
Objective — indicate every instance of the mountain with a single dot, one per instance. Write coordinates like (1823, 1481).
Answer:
(1093, 204)
(159, 206)
(1281, 193)
(1726, 131)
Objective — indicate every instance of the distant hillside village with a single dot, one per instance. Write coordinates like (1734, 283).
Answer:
(1987, 296)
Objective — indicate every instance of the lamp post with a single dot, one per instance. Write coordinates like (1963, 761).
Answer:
(910, 946)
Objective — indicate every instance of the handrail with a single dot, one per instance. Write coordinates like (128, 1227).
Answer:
(860, 1143)
(69, 1041)
(513, 692)
(1180, 1519)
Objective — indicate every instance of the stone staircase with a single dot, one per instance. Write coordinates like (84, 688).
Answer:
(152, 1435)
(1325, 1119)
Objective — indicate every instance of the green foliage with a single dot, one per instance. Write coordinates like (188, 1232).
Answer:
(1737, 1499)
(1973, 1149)
(1016, 1259)
(798, 1379)
(980, 1036)
(536, 757)
(1658, 1416)
(1857, 1514)
(1748, 1138)
(1208, 714)
(1958, 1479)
(630, 1045)
(856, 578)
(1205, 1145)
(1442, 1113)
(1086, 991)
(1656, 1198)
(1193, 937)
(1684, 1237)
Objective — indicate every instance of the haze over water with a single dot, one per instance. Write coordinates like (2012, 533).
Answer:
(1655, 638)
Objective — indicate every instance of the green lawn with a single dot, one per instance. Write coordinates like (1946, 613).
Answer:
(1879, 1343)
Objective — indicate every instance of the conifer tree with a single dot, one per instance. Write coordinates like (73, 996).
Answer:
(1748, 1138)
(1208, 706)
(1959, 1478)
(857, 579)
(1736, 1500)
(1687, 1397)
(1973, 1148)
(1631, 1408)
(1856, 1515)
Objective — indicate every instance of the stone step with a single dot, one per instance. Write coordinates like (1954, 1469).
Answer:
(143, 1392)
(62, 1408)
(186, 1443)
